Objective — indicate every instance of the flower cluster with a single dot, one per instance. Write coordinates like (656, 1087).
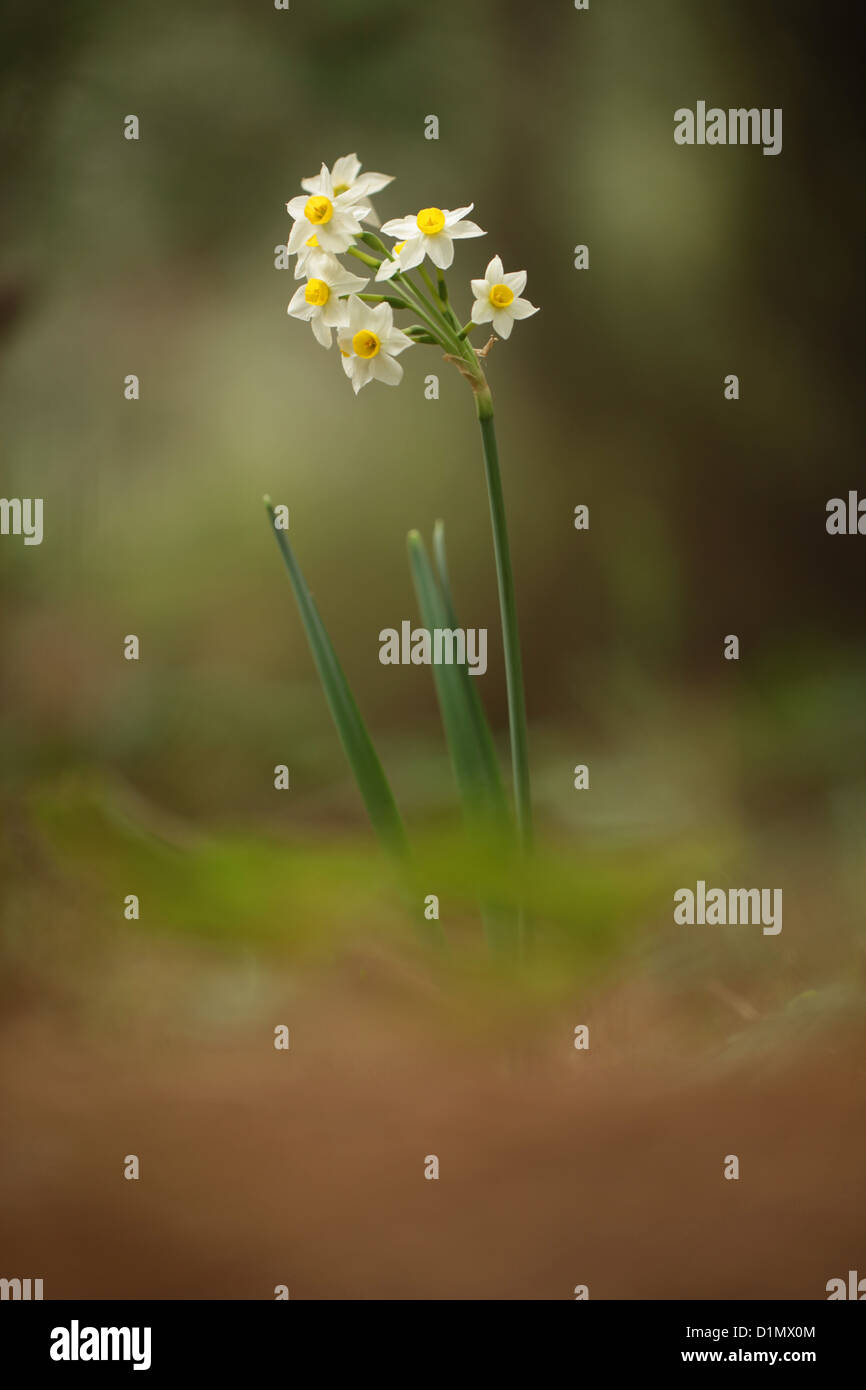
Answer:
(334, 217)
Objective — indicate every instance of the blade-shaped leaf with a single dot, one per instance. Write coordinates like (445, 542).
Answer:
(353, 732)
(460, 730)
(486, 747)
(469, 743)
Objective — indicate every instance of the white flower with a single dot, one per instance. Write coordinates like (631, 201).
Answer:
(346, 177)
(497, 298)
(309, 249)
(318, 302)
(370, 343)
(432, 233)
(333, 218)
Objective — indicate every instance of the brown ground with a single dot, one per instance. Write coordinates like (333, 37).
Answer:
(557, 1168)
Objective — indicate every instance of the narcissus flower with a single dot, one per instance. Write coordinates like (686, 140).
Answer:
(346, 177)
(431, 233)
(369, 344)
(309, 249)
(318, 302)
(497, 298)
(333, 218)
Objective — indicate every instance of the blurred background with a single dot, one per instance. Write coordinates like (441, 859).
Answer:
(707, 517)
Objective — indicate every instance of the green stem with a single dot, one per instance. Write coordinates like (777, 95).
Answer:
(430, 300)
(429, 312)
(442, 300)
(508, 611)
(411, 291)
(429, 283)
(467, 329)
(421, 309)
(441, 312)
(362, 256)
(434, 320)
(377, 244)
(382, 299)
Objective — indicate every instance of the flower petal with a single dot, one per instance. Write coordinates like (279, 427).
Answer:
(346, 170)
(348, 205)
(363, 372)
(335, 313)
(522, 309)
(381, 319)
(516, 281)
(346, 283)
(503, 322)
(440, 249)
(400, 227)
(482, 311)
(357, 316)
(396, 342)
(413, 252)
(386, 369)
(388, 269)
(465, 229)
(321, 331)
(298, 300)
(495, 271)
(298, 235)
(451, 218)
(333, 239)
(367, 184)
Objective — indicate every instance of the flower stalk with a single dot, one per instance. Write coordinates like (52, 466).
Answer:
(508, 614)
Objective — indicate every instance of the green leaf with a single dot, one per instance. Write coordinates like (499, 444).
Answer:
(486, 748)
(468, 757)
(470, 744)
(353, 732)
